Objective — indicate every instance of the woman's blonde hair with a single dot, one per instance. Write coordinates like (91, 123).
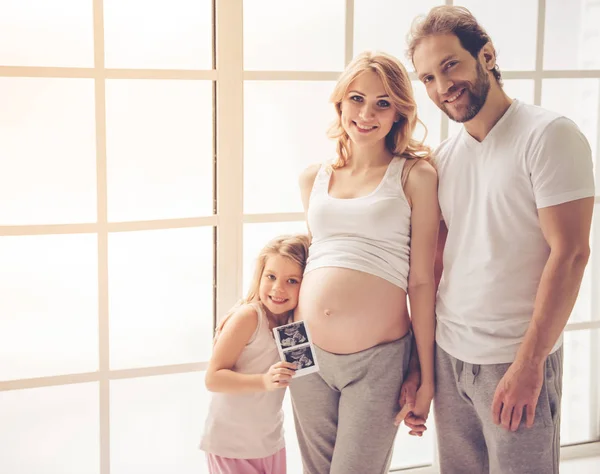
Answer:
(294, 247)
(399, 141)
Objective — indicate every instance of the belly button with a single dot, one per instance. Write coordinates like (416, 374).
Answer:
(327, 312)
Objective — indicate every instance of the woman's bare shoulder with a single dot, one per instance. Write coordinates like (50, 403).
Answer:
(307, 177)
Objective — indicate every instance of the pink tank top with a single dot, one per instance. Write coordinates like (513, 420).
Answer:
(250, 425)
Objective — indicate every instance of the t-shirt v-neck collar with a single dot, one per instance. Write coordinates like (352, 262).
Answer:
(472, 142)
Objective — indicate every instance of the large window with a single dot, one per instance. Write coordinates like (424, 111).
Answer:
(149, 148)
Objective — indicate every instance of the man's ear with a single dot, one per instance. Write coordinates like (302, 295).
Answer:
(488, 55)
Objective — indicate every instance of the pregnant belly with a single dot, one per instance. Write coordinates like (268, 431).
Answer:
(348, 311)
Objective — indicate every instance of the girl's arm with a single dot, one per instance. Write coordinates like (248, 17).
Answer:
(421, 186)
(220, 376)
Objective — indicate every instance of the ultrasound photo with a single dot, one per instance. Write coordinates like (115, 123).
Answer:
(292, 335)
(294, 346)
(302, 357)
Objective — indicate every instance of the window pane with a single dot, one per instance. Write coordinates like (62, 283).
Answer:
(429, 114)
(300, 36)
(515, 45)
(285, 130)
(584, 465)
(572, 35)
(156, 423)
(292, 449)
(50, 430)
(159, 149)
(161, 297)
(382, 25)
(158, 34)
(49, 306)
(580, 104)
(42, 33)
(256, 237)
(579, 410)
(521, 89)
(583, 309)
(411, 451)
(47, 151)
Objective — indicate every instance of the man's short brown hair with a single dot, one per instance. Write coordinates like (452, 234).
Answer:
(451, 20)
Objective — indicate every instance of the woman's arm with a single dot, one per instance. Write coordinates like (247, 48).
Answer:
(306, 182)
(439, 256)
(421, 186)
(408, 392)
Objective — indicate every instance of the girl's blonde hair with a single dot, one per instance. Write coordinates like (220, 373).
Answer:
(393, 75)
(294, 247)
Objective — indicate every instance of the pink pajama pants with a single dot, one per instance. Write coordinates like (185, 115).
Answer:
(274, 464)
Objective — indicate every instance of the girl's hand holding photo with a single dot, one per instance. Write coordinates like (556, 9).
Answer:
(279, 375)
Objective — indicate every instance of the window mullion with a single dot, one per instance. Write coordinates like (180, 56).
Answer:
(230, 144)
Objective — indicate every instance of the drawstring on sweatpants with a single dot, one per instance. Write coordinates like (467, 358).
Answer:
(459, 368)
(475, 371)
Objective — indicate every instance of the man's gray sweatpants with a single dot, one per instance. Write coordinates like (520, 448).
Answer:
(468, 440)
(345, 413)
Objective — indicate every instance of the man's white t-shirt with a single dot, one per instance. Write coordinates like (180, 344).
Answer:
(495, 251)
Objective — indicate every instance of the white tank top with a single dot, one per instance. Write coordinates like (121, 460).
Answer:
(370, 233)
(249, 425)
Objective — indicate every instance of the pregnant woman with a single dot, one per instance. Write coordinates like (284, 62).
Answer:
(373, 216)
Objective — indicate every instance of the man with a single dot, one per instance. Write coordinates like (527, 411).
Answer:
(516, 194)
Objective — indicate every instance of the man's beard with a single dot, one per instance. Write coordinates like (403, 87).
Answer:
(476, 95)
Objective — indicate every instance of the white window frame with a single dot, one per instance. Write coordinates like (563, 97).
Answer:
(228, 77)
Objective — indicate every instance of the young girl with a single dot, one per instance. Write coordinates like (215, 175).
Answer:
(244, 428)
(374, 216)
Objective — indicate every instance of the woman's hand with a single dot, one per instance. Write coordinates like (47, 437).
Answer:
(415, 403)
(408, 394)
(423, 402)
(279, 375)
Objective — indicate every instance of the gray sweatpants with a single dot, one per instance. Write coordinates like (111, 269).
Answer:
(345, 413)
(470, 442)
